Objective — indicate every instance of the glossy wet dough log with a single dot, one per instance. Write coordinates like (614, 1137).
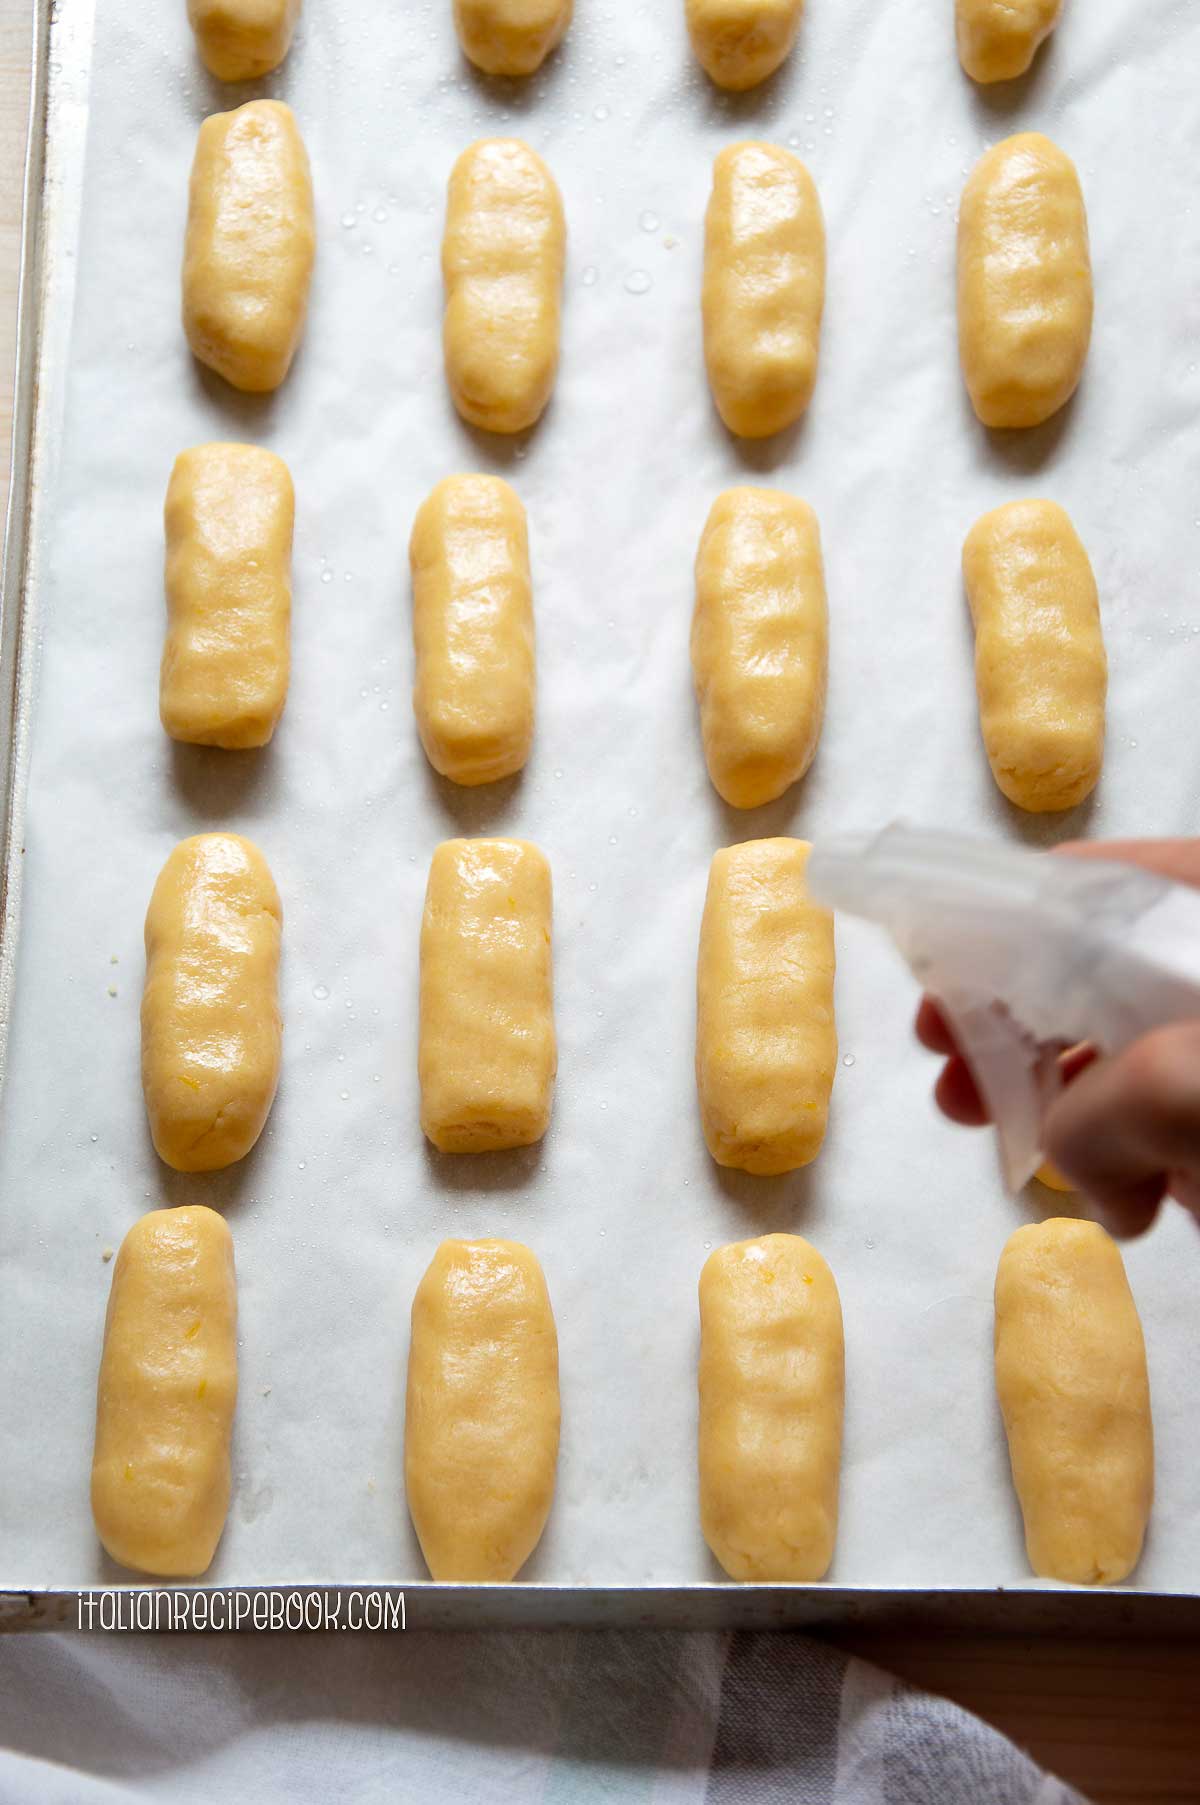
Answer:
(211, 1029)
(166, 1394)
(739, 43)
(250, 244)
(1024, 282)
(1040, 665)
(487, 1054)
(225, 664)
(772, 1379)
(239, 40)
(482, 1413)
(766, 1043)
(1075, 1396)
(760, 643)
(473, 629)
(998, 39)
(764, 288)
(510, 37)
(502, 263)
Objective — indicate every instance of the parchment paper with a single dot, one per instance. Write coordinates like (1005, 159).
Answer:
(337, 1213)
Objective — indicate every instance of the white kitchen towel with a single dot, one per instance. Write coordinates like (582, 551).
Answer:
(565, 1717)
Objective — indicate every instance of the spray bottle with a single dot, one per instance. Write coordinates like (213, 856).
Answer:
(1026, 954)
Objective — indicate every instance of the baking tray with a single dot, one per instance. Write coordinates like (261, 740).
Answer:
(54, 181)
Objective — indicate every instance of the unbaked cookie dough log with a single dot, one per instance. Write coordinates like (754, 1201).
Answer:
(250, 244)
(772, 1379)
(510, 37)
(1024, 282)
(473, 629)
(225, 664)
(239, 40)
(503, 255)
(482, 1415)
(739, 43)
(211, 1029)
(166, 1394)
(764, 288)
(766, 1044)
(1075, 1396)
(998, 39)
(760, 643)
(487, 1056)
(1040, 666)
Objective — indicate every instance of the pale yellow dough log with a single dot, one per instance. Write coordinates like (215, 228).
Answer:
(1040, 665)
(482, 1415)
(760, 643)
(503, 255)
(1075, 1395)
(764, 288)
(166, 1394)
(739, 43)
(487, 1055)
(211, 1029)
(510, 37)
(228, 519)
(239, 40)
(772, 1378)
(766, 1044)
(250, 244)
(473, 629)
(1024, 282)
(998, 39)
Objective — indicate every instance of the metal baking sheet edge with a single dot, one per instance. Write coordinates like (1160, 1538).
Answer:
(58, 116)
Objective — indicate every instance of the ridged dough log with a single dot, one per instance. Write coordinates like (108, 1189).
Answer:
(1075, 1396)
(211, 1029)
(766, 1043)
(250, 245)
(772, 1378)
(482, 1414)
(166, 1394)
(1024, 282)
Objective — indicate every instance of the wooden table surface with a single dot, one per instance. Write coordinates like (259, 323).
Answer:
(1119, 1720)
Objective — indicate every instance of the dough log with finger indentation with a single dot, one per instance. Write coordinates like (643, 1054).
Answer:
(764, 288)
(998, 39)
(1024, 282)
(239, 40)
(739, 43)
(482, 1414)
(1040, 665)
(225, 664)
(487, 1053)
(503, 255)
(166, 1394)
(211, 1030)
(1075, 1396)
(248, 254)
(473, 693)
(760, 643)
(766, 1044)
(772, 1368)
(510, 37)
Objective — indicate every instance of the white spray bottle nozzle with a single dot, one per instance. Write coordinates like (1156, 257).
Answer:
(1025, 952)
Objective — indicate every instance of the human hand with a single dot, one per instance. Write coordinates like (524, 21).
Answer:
(1126, 1129)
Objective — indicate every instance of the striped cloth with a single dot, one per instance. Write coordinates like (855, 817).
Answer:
(563, 1717)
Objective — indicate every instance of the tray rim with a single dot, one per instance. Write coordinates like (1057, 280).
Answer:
(56, 134)
(60, 63)
(715, 1605)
